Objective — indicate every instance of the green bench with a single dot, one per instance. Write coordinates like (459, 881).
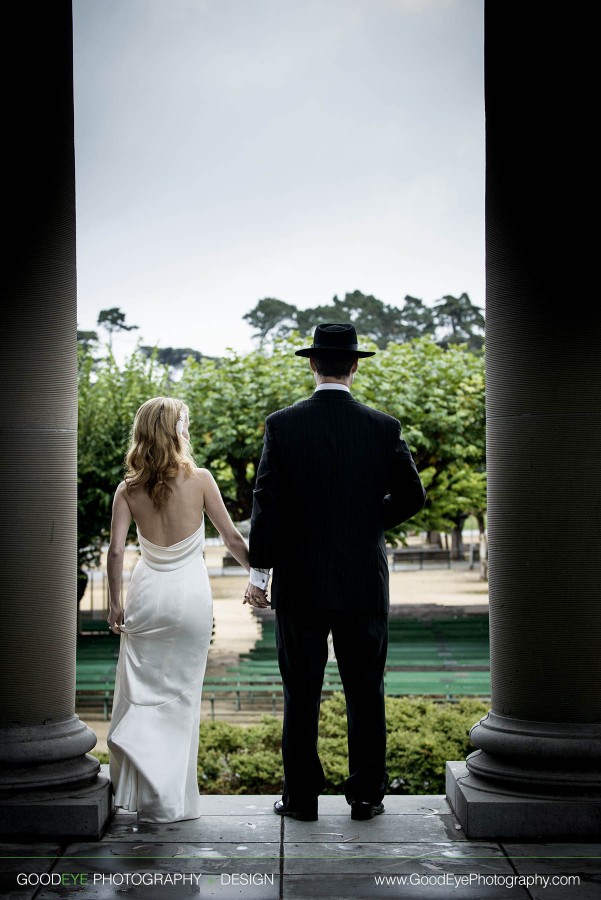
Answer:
(448, 684)
(252, 685)
(93, 626)
(238, 691)
(96, 693)
(95, 679)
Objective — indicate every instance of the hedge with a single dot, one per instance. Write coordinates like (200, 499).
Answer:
(422, 736)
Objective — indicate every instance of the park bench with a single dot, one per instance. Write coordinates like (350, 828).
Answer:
(415, 554)
(95, 682)
(251, 683)
(437, 683)
(241, 684)
(95, 692)
(93, 626)
(229, 562)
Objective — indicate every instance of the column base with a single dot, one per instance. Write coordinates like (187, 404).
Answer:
(76, 814)
(485, 812)
(47, 756)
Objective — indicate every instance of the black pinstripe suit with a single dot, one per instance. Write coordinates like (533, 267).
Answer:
(334, 474)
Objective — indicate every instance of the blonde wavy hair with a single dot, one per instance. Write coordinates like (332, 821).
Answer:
(158, 449)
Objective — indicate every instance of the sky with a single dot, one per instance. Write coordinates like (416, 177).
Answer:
(230, 150)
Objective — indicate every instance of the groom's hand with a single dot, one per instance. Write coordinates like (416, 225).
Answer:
(254, 596)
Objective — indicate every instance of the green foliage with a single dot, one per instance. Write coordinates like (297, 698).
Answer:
(422, 736)
(229, 400)
(418, 320)
(438, 395)
(109, 396)
(271, 317)
(87, 339)
(103, 758)
(173, 357)
(375, 320)
(460, 321)
(112, 320)
(453, 319)
(233, 759)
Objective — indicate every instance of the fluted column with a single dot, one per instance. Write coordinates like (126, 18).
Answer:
(537, 769)
(49, 785)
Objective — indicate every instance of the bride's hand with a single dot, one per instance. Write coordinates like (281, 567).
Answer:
(115, 620)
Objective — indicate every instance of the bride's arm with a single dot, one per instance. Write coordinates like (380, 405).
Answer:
(220, 518)
(114, 564)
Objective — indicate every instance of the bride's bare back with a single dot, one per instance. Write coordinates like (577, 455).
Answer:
(179, 517)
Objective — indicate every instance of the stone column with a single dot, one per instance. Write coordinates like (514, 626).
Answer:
(537, 770)
(49, 785)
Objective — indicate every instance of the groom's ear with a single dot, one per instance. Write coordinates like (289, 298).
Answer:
(312, 364)
(355, 366)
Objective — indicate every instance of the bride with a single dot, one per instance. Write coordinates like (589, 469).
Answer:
(167, 619)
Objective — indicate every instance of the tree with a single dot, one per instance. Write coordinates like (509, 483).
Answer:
(438, 395)
(229, 400)
(272, 318)
(172, 357)
(109, 396)
(382, 323)
(87, 339)
(460, 321)
(372, 318)
(417, 319)
(113, 320)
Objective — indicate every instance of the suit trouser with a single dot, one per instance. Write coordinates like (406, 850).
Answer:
(360, 644)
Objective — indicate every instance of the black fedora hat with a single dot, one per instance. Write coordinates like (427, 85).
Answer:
(335, 339)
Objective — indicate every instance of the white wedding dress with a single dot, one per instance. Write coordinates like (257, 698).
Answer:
(153, 737)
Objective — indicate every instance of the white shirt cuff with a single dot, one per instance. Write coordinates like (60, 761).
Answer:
(260, 578)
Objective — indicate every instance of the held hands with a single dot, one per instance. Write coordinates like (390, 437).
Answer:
(115, 620)
(254, 596)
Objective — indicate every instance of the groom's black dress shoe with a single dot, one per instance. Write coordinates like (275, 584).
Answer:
(304, 814)
(362, 810)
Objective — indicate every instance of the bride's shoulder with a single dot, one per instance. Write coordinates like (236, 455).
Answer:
(203, 475)
(205, 478)
(121, 497)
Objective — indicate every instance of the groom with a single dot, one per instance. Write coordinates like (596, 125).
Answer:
(333, 476)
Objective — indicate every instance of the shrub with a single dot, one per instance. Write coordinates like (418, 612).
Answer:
(234, 759)
(422, 736)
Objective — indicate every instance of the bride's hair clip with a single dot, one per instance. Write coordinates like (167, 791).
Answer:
(179, 427)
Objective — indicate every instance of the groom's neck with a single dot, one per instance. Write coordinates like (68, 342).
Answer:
(326, 379)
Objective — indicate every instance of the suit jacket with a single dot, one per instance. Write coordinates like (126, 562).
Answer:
(333, 475)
